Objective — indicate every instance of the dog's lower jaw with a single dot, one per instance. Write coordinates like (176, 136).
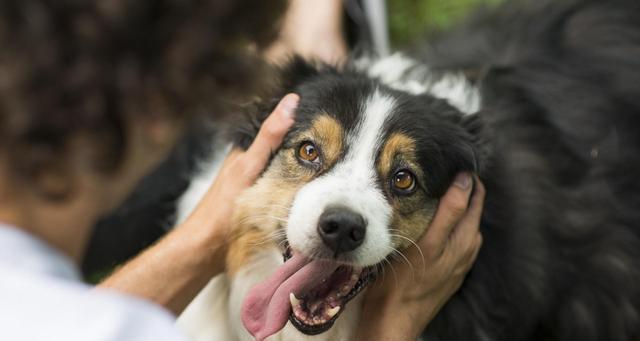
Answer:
(258, 269)
(344, 327)
(207, 310)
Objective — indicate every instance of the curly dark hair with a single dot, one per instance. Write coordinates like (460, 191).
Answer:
(72, 68)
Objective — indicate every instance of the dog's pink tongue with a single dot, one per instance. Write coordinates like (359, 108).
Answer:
(266, 308)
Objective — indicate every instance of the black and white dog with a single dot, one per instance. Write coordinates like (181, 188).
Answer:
(541, 99)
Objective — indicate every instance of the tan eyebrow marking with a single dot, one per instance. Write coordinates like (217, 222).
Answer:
(396, 144)
(329, 134)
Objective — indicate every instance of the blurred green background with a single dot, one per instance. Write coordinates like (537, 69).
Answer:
(410, 19)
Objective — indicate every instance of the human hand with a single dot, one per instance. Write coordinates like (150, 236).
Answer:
(400, 305)
(173, 271)
(238, 172)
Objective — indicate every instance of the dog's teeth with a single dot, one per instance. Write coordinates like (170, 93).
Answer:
(294, 300)
(333, 311)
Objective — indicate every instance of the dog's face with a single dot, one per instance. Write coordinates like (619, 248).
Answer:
(356, 180)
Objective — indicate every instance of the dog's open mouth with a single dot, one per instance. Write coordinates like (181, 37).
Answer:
(311, 293)
(314, 310)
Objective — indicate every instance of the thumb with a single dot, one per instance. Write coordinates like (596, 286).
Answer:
(272, 132)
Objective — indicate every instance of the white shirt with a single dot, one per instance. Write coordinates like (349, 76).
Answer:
(42, 298)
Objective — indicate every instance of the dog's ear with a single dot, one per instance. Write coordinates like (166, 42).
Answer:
(296, 72)
(476, 143)
(457, 146)
(456, 152)
(246, 124)
(460, 151)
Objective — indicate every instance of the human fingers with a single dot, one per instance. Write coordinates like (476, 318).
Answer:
(477, 245)
(467, 229)
(451, 209)
(271, 134)
(474, 212)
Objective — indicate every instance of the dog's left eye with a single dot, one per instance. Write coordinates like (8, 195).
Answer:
(308, 152)
(403, 182)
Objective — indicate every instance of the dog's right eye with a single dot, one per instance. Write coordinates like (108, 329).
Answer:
(308, 152)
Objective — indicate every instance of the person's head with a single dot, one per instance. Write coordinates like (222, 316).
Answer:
(94, 93)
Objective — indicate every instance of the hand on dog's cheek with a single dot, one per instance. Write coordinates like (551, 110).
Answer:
(240, 170)
(400, 305)
(172, 272)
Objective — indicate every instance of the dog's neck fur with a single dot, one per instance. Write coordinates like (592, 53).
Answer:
(405, 74)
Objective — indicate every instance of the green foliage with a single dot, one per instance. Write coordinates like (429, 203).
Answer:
(410, 19)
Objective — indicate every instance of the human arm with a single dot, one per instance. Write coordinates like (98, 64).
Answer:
(311, 29)
(175, 269)
(401, 306)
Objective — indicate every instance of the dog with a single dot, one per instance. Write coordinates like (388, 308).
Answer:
(541, 99)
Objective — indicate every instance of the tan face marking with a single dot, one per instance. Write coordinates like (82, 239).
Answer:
(413, 213)
(327, 134)
(396, 145)
(263, 209)
(260, 212)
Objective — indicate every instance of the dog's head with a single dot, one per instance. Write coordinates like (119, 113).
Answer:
(357, 179)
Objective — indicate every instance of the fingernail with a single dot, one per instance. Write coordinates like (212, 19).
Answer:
(462, 180)
(288, 105)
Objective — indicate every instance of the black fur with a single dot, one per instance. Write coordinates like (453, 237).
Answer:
(556, 144)
(561, 106)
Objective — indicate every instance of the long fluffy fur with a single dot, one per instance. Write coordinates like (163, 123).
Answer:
(560, 106)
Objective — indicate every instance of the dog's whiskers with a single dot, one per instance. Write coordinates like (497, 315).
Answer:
(395, 252)
(406, 260)
(274, 236)
(271, 205)
(258, 217)
(424, 264)
(395, 275)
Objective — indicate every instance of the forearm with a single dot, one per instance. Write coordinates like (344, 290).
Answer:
(173, 271)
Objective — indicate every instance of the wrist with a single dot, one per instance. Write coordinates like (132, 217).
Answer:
(207, 242)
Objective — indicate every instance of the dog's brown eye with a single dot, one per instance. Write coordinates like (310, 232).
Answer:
(403, 181)
(308, 152)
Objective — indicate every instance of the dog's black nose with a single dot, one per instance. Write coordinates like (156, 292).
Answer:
(341, 229)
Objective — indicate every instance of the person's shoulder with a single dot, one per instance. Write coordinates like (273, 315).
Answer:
(38, 307)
